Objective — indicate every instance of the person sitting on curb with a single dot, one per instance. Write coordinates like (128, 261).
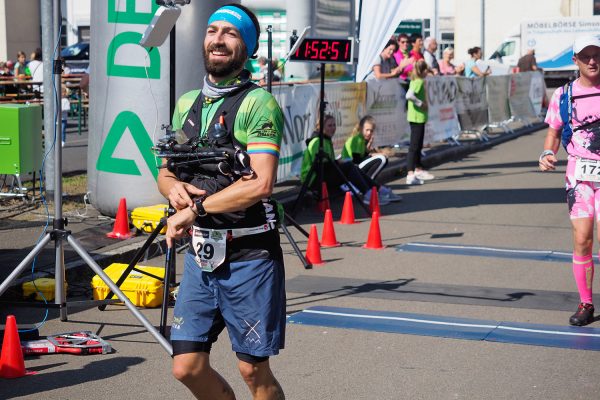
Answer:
(361, 182)
(360, 150)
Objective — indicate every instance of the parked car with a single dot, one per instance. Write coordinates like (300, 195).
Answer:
(77, 57)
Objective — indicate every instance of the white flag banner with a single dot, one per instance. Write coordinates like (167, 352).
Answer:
(378, 21)
(442, 122)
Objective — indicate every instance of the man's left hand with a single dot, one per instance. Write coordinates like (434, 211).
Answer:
(178, 224)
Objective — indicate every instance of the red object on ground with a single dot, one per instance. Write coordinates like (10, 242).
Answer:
(313, 250)
(374, 239)
(323, 204)
(374, 201)
(121, 226)
(12, 364)
(328, 238)
(348, 211)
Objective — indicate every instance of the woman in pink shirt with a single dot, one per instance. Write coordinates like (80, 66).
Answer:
(583, 162)
(446, 66)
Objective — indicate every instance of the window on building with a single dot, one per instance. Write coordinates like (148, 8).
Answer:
(596, 7)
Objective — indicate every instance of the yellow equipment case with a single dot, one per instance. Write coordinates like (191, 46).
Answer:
(43, 285)
(147, 218)
(141, 289)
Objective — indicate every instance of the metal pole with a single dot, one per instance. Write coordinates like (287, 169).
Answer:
(483, 29)
(47, 49)
(436, 21)
(60, 296)
(269, 58)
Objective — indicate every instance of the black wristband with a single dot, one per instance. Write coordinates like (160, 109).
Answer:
(200, 211)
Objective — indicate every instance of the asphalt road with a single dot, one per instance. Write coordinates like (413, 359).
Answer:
(495, 198)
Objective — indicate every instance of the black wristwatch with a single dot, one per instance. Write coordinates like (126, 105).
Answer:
(200, 211)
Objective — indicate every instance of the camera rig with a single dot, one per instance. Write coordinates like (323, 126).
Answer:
(213, 156)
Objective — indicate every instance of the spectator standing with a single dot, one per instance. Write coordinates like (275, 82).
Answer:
(474, 66)
(36, 68)
(573, 118)
(65, 107)
(416, 42)
(263, 73)
(417, 117)
(431, 46)
(359, 148)
(403, 57)
(386, 67)
(527, 62)
(446, 66)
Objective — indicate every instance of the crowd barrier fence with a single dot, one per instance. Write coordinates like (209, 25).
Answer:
(456, 105)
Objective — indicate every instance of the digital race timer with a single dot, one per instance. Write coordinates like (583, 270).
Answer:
(324, 50)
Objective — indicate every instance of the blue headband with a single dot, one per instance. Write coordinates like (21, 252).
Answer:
(241, 21)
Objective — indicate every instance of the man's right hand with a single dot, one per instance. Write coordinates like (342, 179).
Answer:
(181, 194)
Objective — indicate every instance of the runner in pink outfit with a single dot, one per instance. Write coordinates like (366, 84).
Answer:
(583, 165)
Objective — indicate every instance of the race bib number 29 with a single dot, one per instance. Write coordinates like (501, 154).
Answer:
(210, 247)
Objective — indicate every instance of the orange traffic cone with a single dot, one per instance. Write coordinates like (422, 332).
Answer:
(12, 364)
(328, 239)
(374, 239)
(348, 210)
(313, 250)
(374, 201)
(323, 204)
(121, 226)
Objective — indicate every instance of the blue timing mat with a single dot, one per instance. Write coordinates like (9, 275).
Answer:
(486, 251)
(579, 338)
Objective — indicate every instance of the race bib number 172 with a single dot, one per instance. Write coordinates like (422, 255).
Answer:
(587, 170)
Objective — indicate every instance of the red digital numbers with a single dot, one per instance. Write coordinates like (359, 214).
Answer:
(324, 50)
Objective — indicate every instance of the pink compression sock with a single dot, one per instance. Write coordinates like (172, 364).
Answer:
(583, 271)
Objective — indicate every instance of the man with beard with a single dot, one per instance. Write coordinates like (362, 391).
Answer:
(233, 272)
(574, 119)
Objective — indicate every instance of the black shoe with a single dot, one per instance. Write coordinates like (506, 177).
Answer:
(583, 316)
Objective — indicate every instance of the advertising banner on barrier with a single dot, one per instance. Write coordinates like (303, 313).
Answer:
(496, 88)
(471, 103)
(299, 104)
(441, 106)
(537, 91)
(518, 98)
(346, 102)
(387, 104)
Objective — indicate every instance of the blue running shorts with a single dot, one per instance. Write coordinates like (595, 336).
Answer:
(248, 297)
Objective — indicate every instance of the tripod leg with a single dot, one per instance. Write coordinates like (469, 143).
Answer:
(169, 264)
(296, 225)
(287, 233)
(136, 313)
(303, 189)
(60, 296)
(26, 261)
(137, 257)
(341, 174)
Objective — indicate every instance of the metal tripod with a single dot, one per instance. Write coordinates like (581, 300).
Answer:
(60, 235)
(318, 163)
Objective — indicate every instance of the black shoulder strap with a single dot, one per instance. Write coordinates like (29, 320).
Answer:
(228, 108)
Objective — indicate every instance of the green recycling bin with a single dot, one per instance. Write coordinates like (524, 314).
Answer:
(20, 138)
